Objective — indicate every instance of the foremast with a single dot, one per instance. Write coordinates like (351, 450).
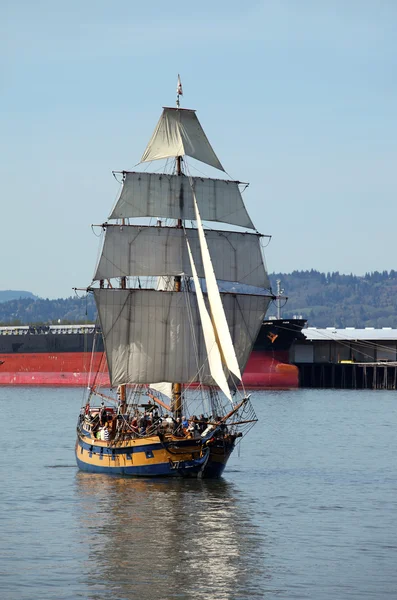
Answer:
(177, 408)
(122, 390)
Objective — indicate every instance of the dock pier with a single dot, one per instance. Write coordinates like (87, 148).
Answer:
(347, 358)
(358, 376)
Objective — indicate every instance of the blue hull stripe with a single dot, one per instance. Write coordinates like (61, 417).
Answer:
(212, 469)
(142, 471)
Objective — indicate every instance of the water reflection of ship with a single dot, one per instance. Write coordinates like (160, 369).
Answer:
(167, 539)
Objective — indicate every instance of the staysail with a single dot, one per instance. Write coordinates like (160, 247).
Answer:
(218, 314)
(211, 344)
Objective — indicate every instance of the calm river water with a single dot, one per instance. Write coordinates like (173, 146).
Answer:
(307, 508)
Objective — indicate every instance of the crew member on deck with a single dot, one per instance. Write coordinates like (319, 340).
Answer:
(103, 415)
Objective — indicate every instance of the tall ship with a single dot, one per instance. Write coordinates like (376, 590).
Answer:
(179, 313)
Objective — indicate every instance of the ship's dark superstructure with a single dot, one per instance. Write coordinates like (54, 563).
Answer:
(277, 335)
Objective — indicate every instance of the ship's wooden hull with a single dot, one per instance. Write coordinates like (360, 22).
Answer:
(152, 457)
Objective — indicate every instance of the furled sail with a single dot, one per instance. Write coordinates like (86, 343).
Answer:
(148, 333)
(211, 344)
(170, 196)
(218, 314)
(130, 250)
(179, 133)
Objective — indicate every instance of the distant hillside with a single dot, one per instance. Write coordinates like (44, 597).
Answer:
(335, 300)
(324, 299)
(6, 295)
(28, 311)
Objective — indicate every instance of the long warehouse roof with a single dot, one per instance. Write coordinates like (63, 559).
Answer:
(349, 334)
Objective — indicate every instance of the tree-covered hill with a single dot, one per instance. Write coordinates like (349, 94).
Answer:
(335, 300)
(6, 295)
(26, 311)
(324, 299)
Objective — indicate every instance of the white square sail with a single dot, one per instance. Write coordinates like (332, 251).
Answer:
(132, 250)
(171, 197)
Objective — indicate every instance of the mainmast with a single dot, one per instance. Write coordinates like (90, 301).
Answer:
(177, 387)
(122, 388)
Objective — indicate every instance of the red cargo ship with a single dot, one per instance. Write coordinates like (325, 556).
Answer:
(62, 356)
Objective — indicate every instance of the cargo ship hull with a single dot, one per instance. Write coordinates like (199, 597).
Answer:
(63, 357)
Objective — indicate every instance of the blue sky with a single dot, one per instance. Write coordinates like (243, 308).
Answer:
(298, 97)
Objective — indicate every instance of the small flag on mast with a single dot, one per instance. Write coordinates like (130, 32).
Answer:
(179, 90)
